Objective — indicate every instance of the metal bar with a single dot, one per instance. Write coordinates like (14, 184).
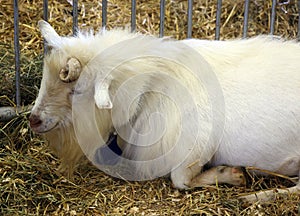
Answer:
(104, 13)
(75, 17)
(246, 20)
(45, 10)
(218, 19)
(17, 52)
(298, 34)
(190, 18)
(133, 15)
(45, 16)
(273, 16)
(162, 18)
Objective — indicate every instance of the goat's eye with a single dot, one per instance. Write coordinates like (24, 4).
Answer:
(72, 92)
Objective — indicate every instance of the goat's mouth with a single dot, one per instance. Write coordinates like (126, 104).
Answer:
(42, 129)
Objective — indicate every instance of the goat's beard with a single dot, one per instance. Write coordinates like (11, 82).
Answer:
(62, 140)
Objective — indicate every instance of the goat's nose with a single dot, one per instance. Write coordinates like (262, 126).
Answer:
(34, 120)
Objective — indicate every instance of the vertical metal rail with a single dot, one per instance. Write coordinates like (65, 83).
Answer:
(190, 18)
(218, 19)
(104, 13)
(133, 15)
(17, 52)
(273, 15)
(45, 10)
(45, 17)
(162, 17)
(298, 33)
(75, 17)
(246, 18)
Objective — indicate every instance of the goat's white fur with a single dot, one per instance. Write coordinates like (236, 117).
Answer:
(260, 81)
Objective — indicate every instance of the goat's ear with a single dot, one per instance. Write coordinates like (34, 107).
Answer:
(101, 95)
(49, 34)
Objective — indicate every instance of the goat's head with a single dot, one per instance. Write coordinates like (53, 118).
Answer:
(61, 70)
(66, 60)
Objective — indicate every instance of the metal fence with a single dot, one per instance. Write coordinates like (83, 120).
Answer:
(133, 25)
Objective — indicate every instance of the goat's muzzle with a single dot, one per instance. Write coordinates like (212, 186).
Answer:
(35, 121)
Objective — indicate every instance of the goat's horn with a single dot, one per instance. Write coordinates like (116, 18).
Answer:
(71, 72)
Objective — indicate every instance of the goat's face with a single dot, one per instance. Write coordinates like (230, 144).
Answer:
(53, 106)
(52, 109)
(62, 67)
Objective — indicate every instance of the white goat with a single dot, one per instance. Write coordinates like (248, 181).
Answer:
(245, 109)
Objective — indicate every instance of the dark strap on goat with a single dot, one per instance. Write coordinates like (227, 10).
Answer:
(109, 154)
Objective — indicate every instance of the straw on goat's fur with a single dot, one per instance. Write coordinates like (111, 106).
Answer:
(29, 183)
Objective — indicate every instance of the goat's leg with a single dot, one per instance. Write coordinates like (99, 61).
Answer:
(182, 175)
(220, 175)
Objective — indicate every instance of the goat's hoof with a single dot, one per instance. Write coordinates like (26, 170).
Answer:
(238, 177)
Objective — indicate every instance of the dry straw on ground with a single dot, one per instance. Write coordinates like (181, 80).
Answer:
(29, 183)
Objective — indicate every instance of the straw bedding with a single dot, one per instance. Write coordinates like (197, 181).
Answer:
(29, 182)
